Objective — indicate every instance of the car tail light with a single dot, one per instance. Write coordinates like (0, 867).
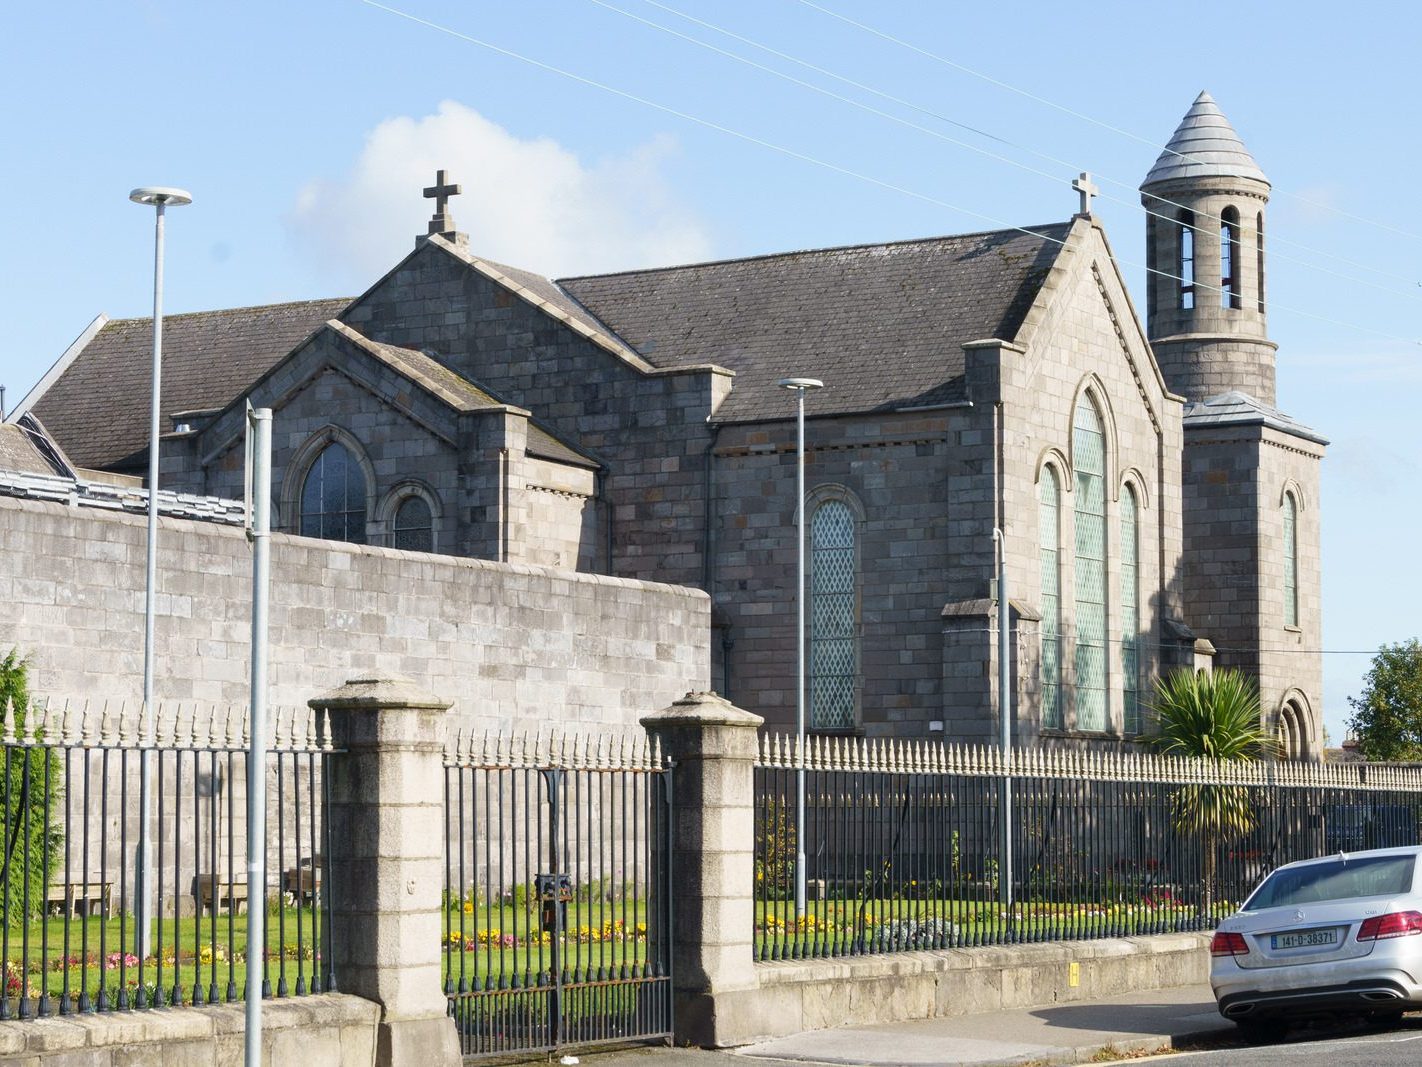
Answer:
(1232, 944)
(1393, 924)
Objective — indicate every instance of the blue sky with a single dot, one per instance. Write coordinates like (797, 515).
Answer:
(305, 132)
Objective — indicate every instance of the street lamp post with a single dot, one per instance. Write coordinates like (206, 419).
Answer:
(800, 386)
(159, 198)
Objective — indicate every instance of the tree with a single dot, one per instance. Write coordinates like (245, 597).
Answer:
(29, 841)
(1387, 718)
(1210, 715)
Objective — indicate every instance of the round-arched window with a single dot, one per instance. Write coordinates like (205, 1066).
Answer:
(333, 500)
(414, 525)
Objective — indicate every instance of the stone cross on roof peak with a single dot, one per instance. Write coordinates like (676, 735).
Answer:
(1086, 189)
(442, 222)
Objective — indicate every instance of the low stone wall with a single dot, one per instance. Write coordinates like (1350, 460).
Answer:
(331, 1029)
(791, 997)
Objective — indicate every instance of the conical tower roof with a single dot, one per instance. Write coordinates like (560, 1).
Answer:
(1204, 146)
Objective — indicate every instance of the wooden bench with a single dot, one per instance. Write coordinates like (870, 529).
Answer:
(302, 885)
(228, 896)
(60, 899)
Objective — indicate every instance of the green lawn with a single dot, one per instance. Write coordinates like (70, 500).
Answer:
(99, 954)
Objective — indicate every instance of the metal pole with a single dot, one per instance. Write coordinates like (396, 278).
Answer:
(259, 423)
(800, 661)
(1004, 715)
(143, 898)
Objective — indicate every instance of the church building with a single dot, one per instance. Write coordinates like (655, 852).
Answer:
(1156, 509)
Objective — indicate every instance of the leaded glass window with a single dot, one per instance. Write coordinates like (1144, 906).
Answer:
(1259, 258)
(1291, 560)
(1130, 610)
(1049, 540)
(333, 497)
(1089, 467)
(414, 525)
(834, 646)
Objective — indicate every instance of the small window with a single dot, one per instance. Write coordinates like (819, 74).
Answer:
(1291, 560)
(1152, 279)
(1259, 257)
(1229, 259)
(1185, 267)
(414, 525)
(333, 499)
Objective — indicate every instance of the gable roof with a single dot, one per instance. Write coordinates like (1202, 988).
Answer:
(883, 325)
(209, 357)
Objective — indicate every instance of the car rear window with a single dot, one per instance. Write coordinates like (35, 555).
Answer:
(1336, 879)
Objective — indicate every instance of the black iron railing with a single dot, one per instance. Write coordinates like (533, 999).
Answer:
(904, 845)
(557, 893)
(77, 931)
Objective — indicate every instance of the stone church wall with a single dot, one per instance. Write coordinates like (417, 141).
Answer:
(515, 647)
(894, 471)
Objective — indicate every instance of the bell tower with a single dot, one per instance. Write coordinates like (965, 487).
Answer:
(1205, 296)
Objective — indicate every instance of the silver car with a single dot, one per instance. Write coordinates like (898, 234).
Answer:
(1338, 935)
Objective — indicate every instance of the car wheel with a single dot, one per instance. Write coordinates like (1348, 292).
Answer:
(1262, 1031)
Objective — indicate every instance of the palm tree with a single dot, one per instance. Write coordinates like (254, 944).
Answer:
(1215, 716)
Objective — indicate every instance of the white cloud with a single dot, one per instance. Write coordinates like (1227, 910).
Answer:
(531, 204)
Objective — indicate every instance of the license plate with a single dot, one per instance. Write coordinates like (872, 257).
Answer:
(1305, 938)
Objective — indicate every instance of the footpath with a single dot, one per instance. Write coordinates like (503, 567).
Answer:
(1081, 1032)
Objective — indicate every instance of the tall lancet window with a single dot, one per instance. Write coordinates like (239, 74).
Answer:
(1049, 539)
(1291, 560)
(1088, 445)
(1130, 610)
(1229, 258)
(1185, 261)
(333, 501)
(1259, 257)
(834, 644)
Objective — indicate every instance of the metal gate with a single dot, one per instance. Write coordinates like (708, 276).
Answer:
(557, 892)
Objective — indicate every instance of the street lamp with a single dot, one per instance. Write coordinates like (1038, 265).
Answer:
(800, 386)
(160, 198)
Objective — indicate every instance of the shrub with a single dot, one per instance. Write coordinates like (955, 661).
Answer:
(30, 842)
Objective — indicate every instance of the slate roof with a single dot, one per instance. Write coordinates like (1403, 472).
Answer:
(21, 454)
(1204, 146)
(1240, 409)
(208, 358)
(882, 325)
(457, 391)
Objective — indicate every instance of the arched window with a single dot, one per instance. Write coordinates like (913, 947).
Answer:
(1293, 732)
(333, 497)
(834, 644)
(1130, 610)
(1049, 540)
(1229, 258)
(1259, 257)
(1185, 264)
(414, 525)
(1291, 560)
(1088, 446)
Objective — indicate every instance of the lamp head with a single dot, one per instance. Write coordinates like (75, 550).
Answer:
(800, 383)
(160, 196)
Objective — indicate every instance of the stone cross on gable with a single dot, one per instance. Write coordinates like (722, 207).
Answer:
(440, 192)
(1083, 185)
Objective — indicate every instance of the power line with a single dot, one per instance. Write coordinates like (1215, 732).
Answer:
(936, 57)
(834, 167)
(1412, 293)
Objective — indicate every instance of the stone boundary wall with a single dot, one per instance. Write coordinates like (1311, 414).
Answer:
(514, 647)
(331, 1029)
(792, 997)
